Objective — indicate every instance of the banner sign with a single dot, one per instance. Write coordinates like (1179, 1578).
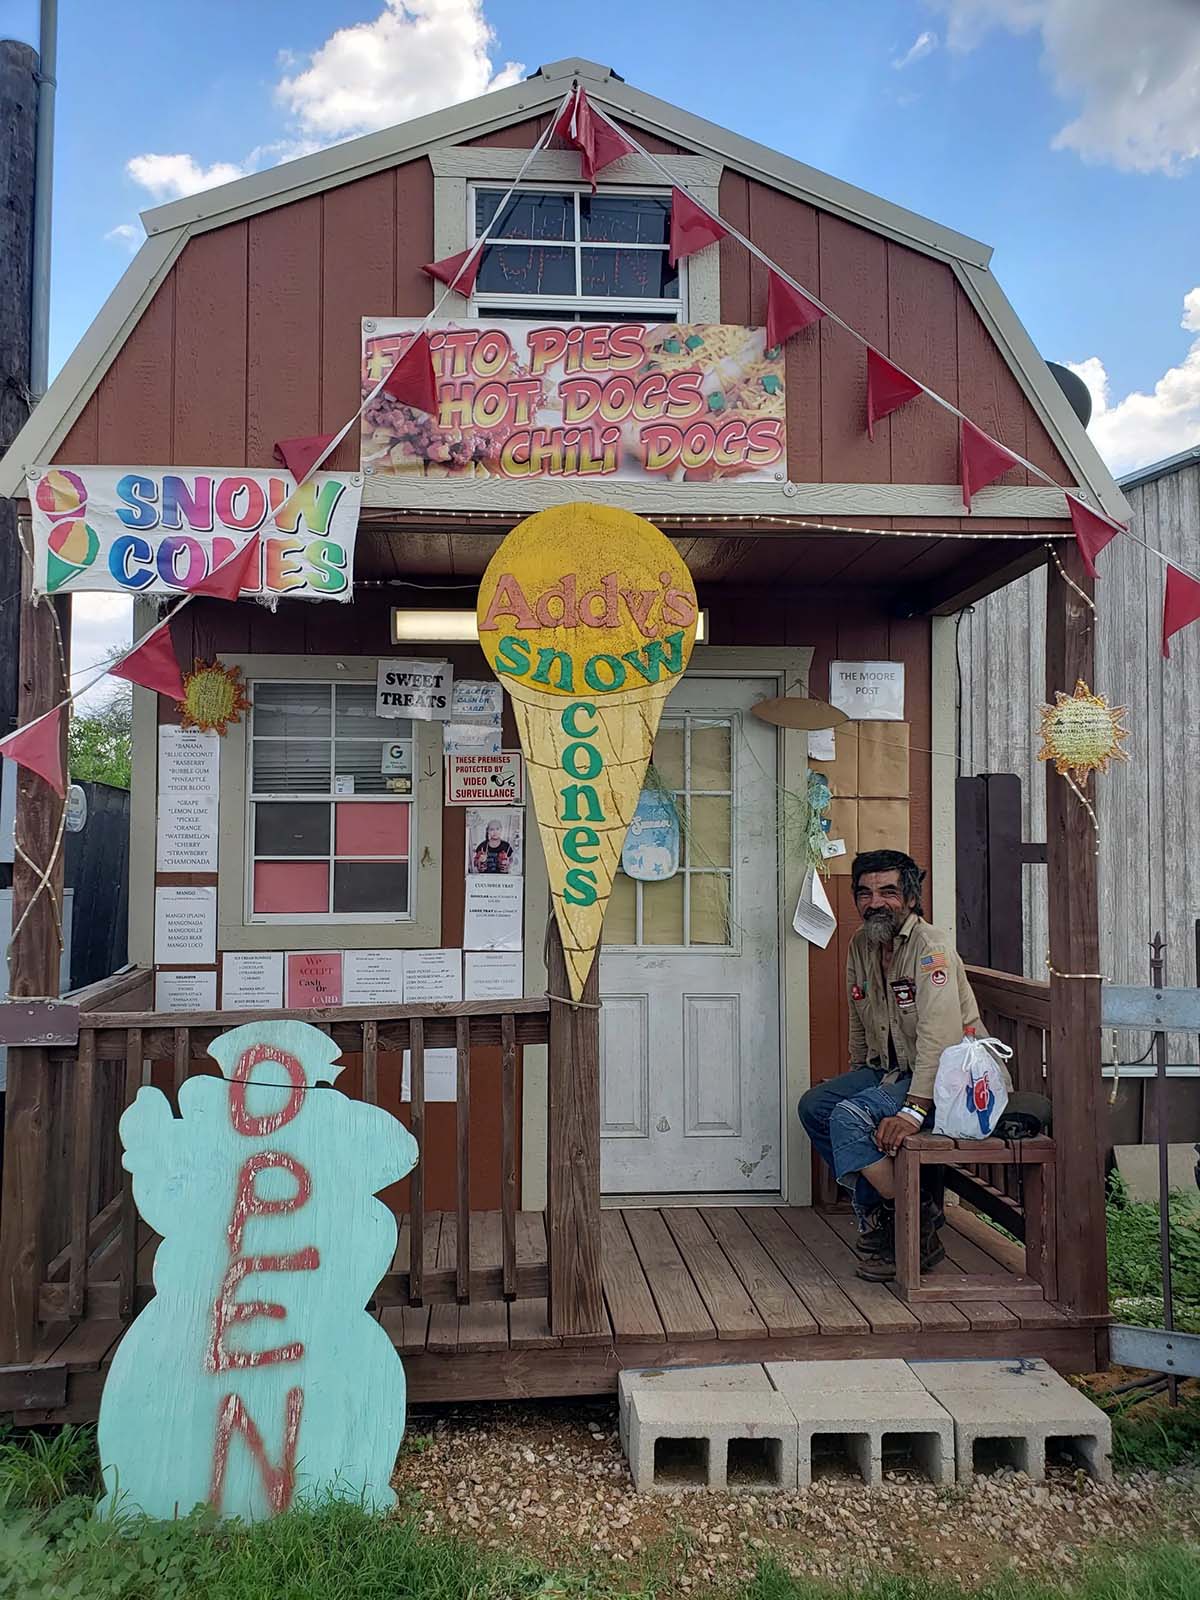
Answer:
(525, 400)
(587, 615)
(161, 530)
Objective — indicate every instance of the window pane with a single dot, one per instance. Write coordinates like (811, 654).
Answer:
(354, 715)
(709, 832)
(662, 911)
(527, 269)
(526, 216)
(364, 763)
(291, 830)
(628, 273)
(379, 886)
(668, 755)
(523, 314)
(620, 920)
(292, 710)
(710, 756)
(291, 766)
(371, 830)
(631, 219)
(300, 887)
(709, 908)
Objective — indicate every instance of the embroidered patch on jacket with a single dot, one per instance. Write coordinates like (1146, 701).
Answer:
(857, 994)
(938, 977)
(934, 962)
(905, 991)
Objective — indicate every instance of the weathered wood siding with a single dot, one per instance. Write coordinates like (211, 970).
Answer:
(1149, 809)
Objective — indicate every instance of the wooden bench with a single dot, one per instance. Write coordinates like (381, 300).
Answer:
(1036, 1158)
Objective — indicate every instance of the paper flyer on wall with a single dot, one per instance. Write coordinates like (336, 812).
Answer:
(494, 975)
(474, 725)
(432, 976)
(421, 690)
(814, 919)
(189, 788)
(185, 991)
(492, 917)
(251, 979)
(441, 1082)
(185, 924)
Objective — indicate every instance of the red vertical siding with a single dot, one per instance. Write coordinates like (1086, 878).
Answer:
(210, 351)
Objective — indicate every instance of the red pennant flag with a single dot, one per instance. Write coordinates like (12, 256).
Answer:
(598, 142)
(1181, 605)
(411, 380)
(887, 389)
(152, 665)
(981, 460)
(239, 571)
(298, 455)
(692, 228)
(788, 311)
(1092, 532)
(450, 268)
(38, 746)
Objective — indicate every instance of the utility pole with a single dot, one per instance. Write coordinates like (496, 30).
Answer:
(19, 89)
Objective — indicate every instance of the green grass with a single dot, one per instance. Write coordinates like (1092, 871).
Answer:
(38, 1471)
(1134, 1259)
(1155, 1434)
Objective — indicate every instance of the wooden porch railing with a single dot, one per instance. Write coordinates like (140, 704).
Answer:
(91, 1224)
(1017, 1011)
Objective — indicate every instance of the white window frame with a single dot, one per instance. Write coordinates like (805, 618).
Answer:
(420, 928)
(331, 799)
(495, 305)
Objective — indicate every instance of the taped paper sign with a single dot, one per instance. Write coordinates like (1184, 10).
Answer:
(162, 530)
(587, 615)
(418, 689)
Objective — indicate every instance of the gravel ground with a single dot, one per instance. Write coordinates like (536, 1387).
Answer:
(549, 1481)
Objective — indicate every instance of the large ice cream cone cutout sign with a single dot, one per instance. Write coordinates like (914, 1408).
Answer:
(587, 615)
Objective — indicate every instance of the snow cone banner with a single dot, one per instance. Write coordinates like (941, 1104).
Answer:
(525, 400)
(587, 615)
(162, 530)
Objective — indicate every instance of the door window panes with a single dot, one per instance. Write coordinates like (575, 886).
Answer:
(693, 755)
(331, 818)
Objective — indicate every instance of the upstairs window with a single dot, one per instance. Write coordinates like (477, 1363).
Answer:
(577, 256)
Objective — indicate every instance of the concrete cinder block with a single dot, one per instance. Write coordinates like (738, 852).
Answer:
(1007, 1417)
(739, 1376)
(867, 1423)
(741, 1440)
(869, 1376)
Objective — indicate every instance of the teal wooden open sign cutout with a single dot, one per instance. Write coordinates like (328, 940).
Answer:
(255, 1379)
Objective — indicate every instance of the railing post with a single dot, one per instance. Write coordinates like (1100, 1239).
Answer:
(33, 971)
(573, 1165)
(1074, 1035)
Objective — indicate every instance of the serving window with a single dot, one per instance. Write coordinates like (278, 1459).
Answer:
(331, 823)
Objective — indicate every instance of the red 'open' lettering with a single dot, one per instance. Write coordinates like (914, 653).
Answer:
(260, 1127)
(227, 1311)
(280, 1481)
(247, 1204)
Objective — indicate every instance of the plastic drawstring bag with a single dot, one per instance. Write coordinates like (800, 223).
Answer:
(971, 1090)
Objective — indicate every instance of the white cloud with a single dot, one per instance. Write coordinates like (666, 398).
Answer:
(416, 56)
(1143, 428)
(1134, 72)
(172, 177)
(127, 234)
(923, 45)
(99, 623)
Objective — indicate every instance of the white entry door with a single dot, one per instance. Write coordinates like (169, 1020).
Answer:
(690, 1068)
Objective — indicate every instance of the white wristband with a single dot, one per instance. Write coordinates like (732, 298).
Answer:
(916, 1116)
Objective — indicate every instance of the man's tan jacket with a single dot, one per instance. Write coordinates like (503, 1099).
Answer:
(925, 1002)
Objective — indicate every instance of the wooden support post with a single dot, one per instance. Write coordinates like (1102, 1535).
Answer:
(33, 970)
(573, 1155)
(1074, 1036)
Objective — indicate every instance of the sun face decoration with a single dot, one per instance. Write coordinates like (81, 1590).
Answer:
(213, 697)
(1082, 733)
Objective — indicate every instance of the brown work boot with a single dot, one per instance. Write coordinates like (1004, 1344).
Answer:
(881, 1268)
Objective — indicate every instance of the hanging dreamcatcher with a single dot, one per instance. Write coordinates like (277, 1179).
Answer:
(213, 697)
(1081, 734)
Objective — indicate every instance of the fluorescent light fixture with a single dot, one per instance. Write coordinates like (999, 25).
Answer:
(459, 627)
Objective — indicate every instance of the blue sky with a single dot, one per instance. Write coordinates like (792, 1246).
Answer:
(1065, 133)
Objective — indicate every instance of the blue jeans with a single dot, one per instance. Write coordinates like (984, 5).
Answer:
(840, 1117)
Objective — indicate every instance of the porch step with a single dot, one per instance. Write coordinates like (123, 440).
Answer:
(748, 1427)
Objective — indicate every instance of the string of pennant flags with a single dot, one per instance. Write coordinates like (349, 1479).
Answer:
(151, 663)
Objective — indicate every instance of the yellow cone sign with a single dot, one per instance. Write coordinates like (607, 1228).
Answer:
(587, 615)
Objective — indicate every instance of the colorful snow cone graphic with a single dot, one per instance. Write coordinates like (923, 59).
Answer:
(72, 543)
(587, 615)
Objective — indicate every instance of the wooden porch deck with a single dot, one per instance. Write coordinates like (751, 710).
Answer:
(681, 1287)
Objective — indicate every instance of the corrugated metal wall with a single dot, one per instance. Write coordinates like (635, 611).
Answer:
(1150, 809)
